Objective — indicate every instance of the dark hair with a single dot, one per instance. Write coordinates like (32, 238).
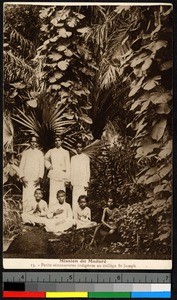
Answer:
(39, 189)
(57, 136)
(82, 197)
(33, 136)
(113, 199)
(79, 141)
(61, 192)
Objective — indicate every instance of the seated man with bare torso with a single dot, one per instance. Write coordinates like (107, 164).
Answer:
(108, 224)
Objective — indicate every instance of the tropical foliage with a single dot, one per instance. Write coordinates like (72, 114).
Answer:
(145, 64)
(100, 72)
(145, 228)
(19, 50)
(47, 119)
(11, 216)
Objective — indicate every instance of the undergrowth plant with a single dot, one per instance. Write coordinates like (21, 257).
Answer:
(11, 216)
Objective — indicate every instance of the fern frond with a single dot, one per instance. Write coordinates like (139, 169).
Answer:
(108, 75)
(16, 67)
(17, 38)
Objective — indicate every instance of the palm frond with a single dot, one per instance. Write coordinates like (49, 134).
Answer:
(93, 149)
(57, 113)
(63, 122)
(34, 117)
(45, 121)
(29, 120)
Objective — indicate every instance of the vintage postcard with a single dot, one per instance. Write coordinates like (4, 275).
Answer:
(87, 135)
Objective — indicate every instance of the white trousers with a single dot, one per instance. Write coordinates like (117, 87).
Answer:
(55, 186)
(78, 190)
(28, 195)
(32, 219)
(56, 225)
(85, 224)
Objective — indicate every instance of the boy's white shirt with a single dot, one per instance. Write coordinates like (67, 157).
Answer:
(66, 214)
(83, 214)
(42, 205)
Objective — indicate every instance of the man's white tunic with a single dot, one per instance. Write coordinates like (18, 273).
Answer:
(31, 168)
(58, 160)
(80, 176)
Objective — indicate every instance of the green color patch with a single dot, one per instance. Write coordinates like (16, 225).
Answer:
(109, 295)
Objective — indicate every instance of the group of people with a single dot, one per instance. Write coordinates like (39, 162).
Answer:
(57, 216)
(61, 171)
(60, 217)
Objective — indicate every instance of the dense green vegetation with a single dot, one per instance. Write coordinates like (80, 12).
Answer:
(99, 72)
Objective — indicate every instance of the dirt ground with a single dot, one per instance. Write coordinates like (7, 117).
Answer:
(35, 242)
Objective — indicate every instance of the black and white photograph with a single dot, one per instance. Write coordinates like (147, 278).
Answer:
(87, 135)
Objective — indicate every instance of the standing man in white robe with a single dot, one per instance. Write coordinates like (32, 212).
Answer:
(80, 174)
(57, 161)
(31, 172)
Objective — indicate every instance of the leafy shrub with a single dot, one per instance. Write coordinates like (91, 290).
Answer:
(11, 216)
(114, 171)
(144, 205)
(145, 228)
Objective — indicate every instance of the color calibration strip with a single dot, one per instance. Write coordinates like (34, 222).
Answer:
(77, 285)
(101, 295)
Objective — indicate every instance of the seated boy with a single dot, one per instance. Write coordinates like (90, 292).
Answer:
(108, 223)
(83, 214)
(60, 217)
(36, 213)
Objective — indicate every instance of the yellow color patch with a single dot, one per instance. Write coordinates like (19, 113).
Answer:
(66, 294)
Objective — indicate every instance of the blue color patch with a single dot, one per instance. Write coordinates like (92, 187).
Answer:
(151, 295)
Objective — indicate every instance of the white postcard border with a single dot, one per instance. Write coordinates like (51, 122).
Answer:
(98, 264)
